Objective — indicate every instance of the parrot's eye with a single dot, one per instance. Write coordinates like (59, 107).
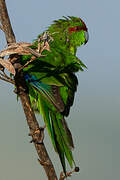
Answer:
(76, 28)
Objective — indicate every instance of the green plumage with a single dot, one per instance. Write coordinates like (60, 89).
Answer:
(52, 82)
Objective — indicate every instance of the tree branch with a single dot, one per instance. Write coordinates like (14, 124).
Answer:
(23, 93)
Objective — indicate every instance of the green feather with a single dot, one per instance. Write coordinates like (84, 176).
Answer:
(52, 81)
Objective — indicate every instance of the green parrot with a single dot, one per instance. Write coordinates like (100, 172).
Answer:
(51, 79)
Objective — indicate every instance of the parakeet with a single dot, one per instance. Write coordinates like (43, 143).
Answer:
(51, 79)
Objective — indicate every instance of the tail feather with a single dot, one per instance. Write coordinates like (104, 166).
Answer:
(47, 120)
(57, 133)
(69, 135)
(60, 153)
(62, 137)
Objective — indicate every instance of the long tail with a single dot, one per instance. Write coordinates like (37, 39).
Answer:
(57, 127)
(60, 139)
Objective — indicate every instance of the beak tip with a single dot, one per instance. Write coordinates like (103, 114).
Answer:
(86, 37)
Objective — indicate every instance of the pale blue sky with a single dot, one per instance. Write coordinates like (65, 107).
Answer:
(95, 117)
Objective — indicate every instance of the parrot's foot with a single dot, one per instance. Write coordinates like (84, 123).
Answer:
(21, 89)
(37, 135)
(68, 174)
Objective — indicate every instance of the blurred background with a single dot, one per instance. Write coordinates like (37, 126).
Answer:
(95, 117)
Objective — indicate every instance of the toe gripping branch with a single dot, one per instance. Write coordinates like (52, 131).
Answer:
(37, 135)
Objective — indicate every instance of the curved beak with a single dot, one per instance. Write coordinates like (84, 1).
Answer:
(86, 37)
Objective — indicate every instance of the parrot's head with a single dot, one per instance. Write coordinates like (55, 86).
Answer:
(77, 31)
(72, 30)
